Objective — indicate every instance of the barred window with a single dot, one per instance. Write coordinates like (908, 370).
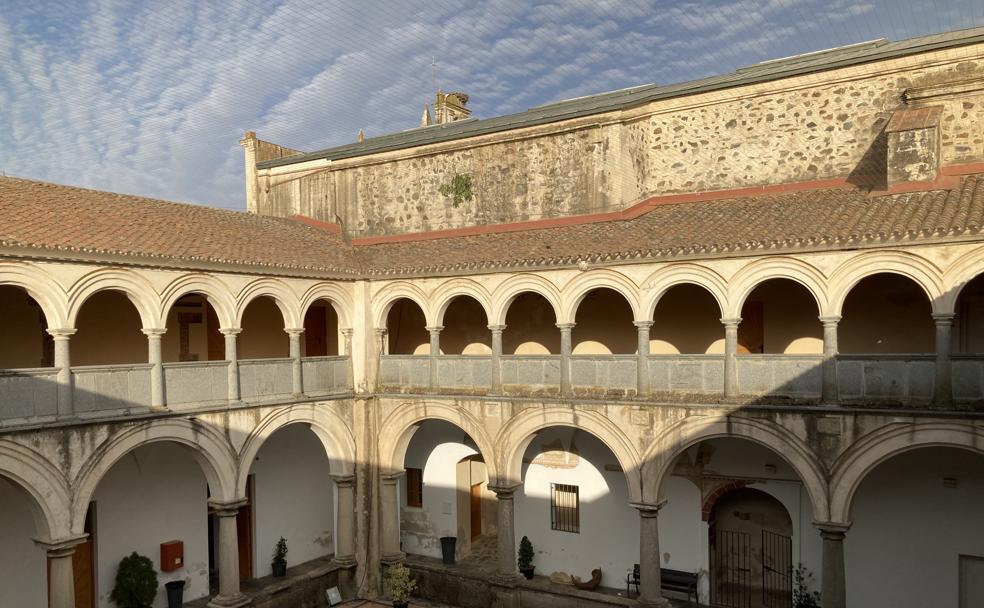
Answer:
(565, 509)
(415, 488)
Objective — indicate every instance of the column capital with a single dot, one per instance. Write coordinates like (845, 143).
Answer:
(563, 326)
(344, 481)
(392, 478)
(643, 324)
(379, 331)
(648, 509)
(153, 332)
(943, 318)
(496, 328)
(63, 333)
(832, 530)
(294, 331)
(731, 322)
(230, 331)
(227, 508)
(61, 547)
(504, 491)
(434, 329)
(828, 320)
(348, 332)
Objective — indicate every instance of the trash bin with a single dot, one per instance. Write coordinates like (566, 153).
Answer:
(447, 548)
(175, 593)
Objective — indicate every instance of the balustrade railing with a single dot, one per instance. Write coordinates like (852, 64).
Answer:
(904, 379)
(591, 374)
(530, 373)
(264, 378)
(325, 375)
(798, 376)
(28, 395)
(109, 389)
(196, 382)
(693, 374)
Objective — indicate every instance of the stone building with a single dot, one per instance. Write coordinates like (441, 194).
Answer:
(725, 327)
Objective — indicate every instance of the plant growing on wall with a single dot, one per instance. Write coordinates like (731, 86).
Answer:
(526, 557)
(802, 596)
(136, 582)
(459, 189)
(279, 563)
(400, 584)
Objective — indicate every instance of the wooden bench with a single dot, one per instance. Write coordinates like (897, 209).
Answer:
(674, 580)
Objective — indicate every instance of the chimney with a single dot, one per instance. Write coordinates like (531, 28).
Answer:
(913, 145)
(250, 145)
(450, 107)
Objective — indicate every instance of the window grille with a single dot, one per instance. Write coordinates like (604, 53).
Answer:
(415, 488)
(565, 509)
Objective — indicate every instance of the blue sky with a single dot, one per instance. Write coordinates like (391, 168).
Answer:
(151, 98)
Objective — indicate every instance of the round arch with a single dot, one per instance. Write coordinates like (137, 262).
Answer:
(334, 433)
(659, 282)
(209, 448)
(388, 295)
(766, 269)
(41, 286)
(671, 443)
(338, 298)
(956, 277)
(850, 273)
(505, 293)
(398, 428)
(278, 291)
(876, 447)
(447, 292)
(215, 292)
(517, 434)
(45, 486)
(574, 292)
(136, 288)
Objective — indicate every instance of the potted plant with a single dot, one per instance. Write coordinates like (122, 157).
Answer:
(136, 582)
(401, 585)
(279, 563)
(526, 558)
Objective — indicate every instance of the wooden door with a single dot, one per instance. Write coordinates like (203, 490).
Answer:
(82, 569)
(476, 511)
(244, 530)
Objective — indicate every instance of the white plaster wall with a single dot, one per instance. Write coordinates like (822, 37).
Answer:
(681, 534)
(902, 550)
(154, 494)
(23, 574)
(293, 497)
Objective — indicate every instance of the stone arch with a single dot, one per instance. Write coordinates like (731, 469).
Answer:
(209, 448)
(215, 291)
(659, 282)
(41, 286)
(448, 291)
(876, 447)
(334, 294)
(136, 288)
(576, 289)
(398, 428)
(672, 442)
(43, 483)
(850, 273)
(278, 291)
(962, 271)
(383, 300)
(517, 434)
(334, 433)
(744, 282)
(505, 293)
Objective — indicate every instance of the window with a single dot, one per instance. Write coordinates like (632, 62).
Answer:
(415, 488)
(565, 512)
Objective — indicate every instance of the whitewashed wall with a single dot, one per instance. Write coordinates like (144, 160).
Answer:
(23, 575)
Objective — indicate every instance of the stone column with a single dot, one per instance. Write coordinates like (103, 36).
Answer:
(833, 587)
(381, 349)
(650, 581)
(497, 358)
(156, 359)
(61, 576)
(507, 573)
(229, 595)
(347, 334)
(390, 519)
(435, 352)
(345, 527)
(63, 362)
(230, 334)
(830, 391)
(565, 358)
(943, 386)
(296, 373)
(642, 352)
(730, 360)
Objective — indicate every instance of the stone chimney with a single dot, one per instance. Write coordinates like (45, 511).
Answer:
(913, 145)
(449, 107)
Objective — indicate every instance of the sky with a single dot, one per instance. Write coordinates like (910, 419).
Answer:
(152, 98)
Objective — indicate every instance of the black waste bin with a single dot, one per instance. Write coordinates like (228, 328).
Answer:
(447, 548)
(175, 593)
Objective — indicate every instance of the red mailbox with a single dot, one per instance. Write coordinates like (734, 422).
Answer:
(172, 555)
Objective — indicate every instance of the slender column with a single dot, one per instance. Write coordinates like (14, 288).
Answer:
(230, 334)
(347, 334)
(730, 360)
(642, 352)
(830, 390)
(833, 587)
(296, 373)
(382, 343)
(61, 576)
(650, 581)
(345, 527)
(497, 358)
(943, 387)
(390, 519)
(565, 357)
(506, 571)
(229, 594)
(381, 349)
(435, 352)
(156, 359)
(63, 362)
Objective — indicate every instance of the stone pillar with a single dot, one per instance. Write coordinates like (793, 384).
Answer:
(730, 360)
(650, 582)
(642, 352)
(229, 595)
(156, 359)
(61, 576)
(296, 370)
(347, 334)
(833, 586)
(497, 358)
(943, 386)
(830, 390)
(390, 519)
(345, 527)
(435, 352)
(565, 358)
(63, 362)
(507, 573)
(381, 349)
(230, 334)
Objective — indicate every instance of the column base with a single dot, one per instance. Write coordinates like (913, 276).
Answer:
(506, 580)
(392, 558)
(660, 603)
(234, 601)
(344, 562)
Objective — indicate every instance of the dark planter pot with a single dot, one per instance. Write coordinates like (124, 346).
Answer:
(175, 594)
(447, 548)
(400, 605)
(528, 572)
(279, 570)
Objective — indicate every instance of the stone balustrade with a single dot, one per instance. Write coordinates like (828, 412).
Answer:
(28, 395)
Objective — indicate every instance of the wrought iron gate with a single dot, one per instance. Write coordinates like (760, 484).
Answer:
(731, 571)
(777, 570)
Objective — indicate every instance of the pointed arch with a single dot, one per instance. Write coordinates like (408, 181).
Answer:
(505, 293)
(923, 272)
(43, 483)
(744, 282)
(136, 288)
(578, 287)
(215, 291)
(278, 291)
(659, 282)
(41, 286)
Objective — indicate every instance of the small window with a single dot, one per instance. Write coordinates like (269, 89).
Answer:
(564, 508)
(415, 488)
